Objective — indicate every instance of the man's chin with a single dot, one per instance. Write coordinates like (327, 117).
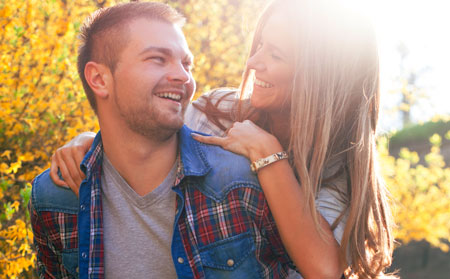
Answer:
(173, 123)
(167, 129)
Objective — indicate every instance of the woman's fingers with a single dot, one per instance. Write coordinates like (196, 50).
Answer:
(66, 162)
(209, 139)
(229, 143)
(65, 173)
(54, 173)
(78, 154)
(71, 160)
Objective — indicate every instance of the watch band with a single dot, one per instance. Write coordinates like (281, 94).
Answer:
(261, 163)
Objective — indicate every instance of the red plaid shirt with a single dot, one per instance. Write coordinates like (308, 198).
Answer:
(223, 225)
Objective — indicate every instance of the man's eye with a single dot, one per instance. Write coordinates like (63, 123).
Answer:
(158, 59)
(188, 65)
(259, 46)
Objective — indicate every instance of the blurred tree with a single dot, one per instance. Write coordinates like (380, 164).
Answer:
(421, 194)
(42, 106)
(409, 90)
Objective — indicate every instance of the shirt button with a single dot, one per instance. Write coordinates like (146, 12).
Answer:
(180, 260)
(82, 207)
(83, 255)
(230, 262)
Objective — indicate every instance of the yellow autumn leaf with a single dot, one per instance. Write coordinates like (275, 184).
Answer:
(14, 167)
(15, 205)
(4, 168)
(7, 154)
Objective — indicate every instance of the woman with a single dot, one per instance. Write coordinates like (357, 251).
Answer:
(310, 88)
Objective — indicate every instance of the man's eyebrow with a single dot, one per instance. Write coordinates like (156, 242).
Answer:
(163, 50)
(166, 51)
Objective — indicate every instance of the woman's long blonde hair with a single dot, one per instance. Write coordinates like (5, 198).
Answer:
(334, 113)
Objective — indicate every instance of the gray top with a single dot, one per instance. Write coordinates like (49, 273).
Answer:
(137, 229)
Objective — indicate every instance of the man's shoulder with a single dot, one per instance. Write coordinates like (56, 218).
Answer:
(47, 196)
(228, 171)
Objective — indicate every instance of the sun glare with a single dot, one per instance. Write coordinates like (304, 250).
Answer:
(422, 27)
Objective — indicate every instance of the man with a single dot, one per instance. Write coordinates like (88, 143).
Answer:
(155, 203)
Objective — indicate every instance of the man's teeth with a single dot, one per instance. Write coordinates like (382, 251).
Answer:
(169, 95)
(263, 83)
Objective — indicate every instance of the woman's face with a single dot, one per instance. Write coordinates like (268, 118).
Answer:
(274, 66)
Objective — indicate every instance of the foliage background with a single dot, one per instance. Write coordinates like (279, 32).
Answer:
(42, 106)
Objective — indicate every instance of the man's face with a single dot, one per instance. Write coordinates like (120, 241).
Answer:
(153, 83)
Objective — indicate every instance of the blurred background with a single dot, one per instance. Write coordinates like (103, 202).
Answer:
(42, 106)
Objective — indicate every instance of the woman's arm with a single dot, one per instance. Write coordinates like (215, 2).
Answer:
(314, 255)
(67, 160)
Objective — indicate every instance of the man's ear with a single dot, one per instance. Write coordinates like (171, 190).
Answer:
(99, 78)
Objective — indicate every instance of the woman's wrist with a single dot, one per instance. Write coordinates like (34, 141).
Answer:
(255, 166)
(262, 149)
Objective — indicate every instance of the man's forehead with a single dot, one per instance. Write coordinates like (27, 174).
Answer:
(157, 35)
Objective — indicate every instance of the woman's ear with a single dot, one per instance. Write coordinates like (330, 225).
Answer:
(99, 78)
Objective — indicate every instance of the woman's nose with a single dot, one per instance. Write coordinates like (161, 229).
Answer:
(256, 61)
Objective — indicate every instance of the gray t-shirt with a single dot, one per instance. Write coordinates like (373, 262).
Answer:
(137, 229)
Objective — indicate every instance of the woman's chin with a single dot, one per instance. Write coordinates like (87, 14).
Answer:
(265, 104)
(259, 103)
(256, 105)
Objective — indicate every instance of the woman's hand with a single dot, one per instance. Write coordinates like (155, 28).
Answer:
(67, 160)
(245, 138)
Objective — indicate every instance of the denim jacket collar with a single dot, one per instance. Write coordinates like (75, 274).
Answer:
(192, 154)
(94, 155)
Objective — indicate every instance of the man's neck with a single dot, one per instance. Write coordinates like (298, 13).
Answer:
(143, 162)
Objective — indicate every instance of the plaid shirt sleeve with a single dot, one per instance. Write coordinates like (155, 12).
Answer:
(48, 262)
(273, 236)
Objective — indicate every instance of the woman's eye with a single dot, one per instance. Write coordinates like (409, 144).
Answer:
(276, 56)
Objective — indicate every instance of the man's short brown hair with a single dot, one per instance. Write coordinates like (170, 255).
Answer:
(104, 34)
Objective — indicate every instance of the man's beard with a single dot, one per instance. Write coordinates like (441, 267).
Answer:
(148, 121)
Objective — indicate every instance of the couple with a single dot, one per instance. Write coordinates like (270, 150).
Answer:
(174, 207)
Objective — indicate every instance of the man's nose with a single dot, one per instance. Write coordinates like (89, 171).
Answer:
(179, 73)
